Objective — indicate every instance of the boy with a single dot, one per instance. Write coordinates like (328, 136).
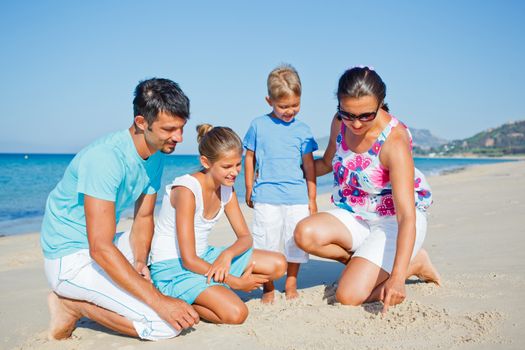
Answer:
(277, 145)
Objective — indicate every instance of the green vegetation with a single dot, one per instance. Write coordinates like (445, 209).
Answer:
(508, 139)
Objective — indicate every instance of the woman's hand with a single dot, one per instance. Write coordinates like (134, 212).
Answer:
(220, 268)
(393, 292)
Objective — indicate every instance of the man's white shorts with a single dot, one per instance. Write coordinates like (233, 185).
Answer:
(376, 240)
(77, 276)
(275, 222)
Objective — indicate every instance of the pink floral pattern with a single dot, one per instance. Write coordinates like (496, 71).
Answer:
(361, 183)
(359, 163)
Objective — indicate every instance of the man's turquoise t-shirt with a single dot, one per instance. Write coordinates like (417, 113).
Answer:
(109, 169)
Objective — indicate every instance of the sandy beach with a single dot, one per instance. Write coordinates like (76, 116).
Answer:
(476, 240)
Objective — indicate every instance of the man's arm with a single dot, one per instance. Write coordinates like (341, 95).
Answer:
(142, 232)
(101, 225)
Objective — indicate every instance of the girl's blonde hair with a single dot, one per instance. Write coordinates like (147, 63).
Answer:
(283, 81)
(216, 141)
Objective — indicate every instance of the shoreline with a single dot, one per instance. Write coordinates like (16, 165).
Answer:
(33, 223)
(478, 306)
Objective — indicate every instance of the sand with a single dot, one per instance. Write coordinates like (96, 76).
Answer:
(476, 240)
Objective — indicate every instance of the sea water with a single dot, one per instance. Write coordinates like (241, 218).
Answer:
(27, 179)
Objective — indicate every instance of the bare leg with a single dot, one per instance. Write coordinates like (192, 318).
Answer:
(362, 280)
(66, 312)
(324, 235)
(271, 264)
(268, 296)
(291, 280)
(422, 268)
(219, 304)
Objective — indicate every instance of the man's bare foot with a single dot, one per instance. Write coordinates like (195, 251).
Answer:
(423, 269)
(63, 320)
(290, 288)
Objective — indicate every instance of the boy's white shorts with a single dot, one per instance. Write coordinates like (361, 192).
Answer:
(275, 222)
(77, 276)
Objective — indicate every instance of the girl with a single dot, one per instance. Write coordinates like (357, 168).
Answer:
(183, 264)
(380, 224)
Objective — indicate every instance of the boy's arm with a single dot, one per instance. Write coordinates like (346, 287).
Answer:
(249, 170)
(142, 232)
(311, 182)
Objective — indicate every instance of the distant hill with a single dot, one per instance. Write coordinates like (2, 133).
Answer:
(422, 139)
(504, 140)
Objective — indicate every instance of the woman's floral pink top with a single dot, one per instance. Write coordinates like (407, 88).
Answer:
(361, 183)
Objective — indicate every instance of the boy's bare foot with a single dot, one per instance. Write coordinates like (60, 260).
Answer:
(423, 269)
(290, 288)
(291, 293)
(63, 320)
(268, 297)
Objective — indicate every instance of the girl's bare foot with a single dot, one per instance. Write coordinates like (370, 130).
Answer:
(63, 319)
(423, 269)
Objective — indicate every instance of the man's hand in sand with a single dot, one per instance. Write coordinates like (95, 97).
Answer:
(176, 312)
(392, 293)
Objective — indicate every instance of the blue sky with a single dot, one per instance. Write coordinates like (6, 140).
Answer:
(68, 69)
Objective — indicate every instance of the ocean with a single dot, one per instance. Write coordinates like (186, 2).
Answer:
(27, 179)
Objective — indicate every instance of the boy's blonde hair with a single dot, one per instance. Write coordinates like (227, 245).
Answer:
(283, 81)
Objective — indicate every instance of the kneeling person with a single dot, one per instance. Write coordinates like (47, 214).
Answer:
(94, 272)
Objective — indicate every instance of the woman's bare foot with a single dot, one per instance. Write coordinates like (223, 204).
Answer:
(422, 268)
(290, 288)
(268, 296)
(63, 319)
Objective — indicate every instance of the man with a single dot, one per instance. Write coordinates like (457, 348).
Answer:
(93, 271)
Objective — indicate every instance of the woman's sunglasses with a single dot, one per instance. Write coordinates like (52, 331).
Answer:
(364, 117)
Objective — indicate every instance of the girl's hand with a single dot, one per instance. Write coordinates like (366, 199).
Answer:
(392, 293)
(142, 269)
(220, 268)
(250, 281)
(312, 205)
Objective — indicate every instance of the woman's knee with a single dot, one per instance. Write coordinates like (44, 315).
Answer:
(351, 296)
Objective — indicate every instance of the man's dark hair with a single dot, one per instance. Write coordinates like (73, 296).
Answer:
(157, 95)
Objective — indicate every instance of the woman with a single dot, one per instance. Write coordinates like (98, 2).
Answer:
(380, 223)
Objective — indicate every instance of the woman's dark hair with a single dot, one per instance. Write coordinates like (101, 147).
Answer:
(157, 95)
(362, 81)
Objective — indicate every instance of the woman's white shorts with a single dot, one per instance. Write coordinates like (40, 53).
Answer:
(376, 240)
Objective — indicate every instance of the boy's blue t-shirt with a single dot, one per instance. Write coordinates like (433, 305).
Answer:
(279, 147)
(109, 169)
